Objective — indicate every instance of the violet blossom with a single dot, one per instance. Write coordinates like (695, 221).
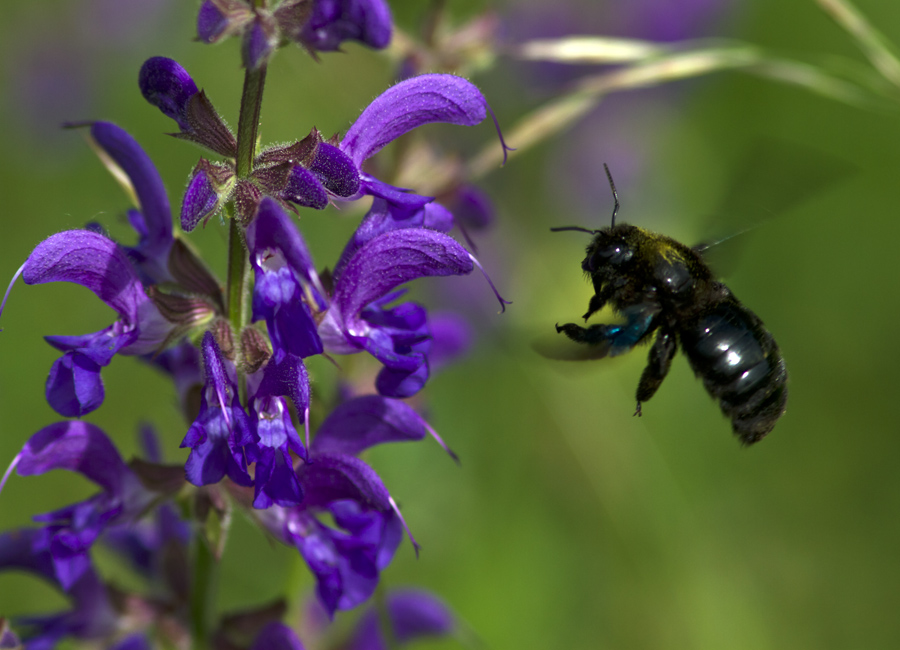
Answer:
(222, 428)
(311, 171)
(347, 559)
(316, 25)
(69, 532)
(74, 386)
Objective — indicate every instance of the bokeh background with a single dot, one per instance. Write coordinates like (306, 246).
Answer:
(570, 523)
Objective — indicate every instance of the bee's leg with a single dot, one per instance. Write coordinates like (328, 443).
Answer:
(598, 300)
(593, 335)
(618, 338)
(659, 362)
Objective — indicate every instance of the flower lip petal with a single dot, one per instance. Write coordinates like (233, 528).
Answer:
(78, 447)
(416, 101)
(93, 261)
(169, 87)
(365, 421)
(74, 386)
(332, 477)
(394, 258)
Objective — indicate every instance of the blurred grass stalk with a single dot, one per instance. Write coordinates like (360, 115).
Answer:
(642, 64)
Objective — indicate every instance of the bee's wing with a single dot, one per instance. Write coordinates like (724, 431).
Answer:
(774, 177)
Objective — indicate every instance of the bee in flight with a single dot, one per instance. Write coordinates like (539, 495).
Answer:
(660, 286)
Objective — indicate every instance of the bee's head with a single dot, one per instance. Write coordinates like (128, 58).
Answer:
(611, 248)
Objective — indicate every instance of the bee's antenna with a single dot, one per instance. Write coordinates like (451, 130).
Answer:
(578, 228)
(615, 196)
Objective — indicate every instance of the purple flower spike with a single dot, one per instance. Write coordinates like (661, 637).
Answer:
(169, 87)
(335, 21)
(277, 636)
(221, 430)
(413, 614)
(154, 221)
(420, 100)
(98, 263)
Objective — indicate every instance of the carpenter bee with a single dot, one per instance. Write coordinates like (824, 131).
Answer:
(660, 286)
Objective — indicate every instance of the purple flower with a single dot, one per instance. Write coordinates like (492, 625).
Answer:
(153, 222)
(411, 103)
(92, 615)
(74, 386)
(69, 532)
(311, 171)
(287, 292)
(365, 281)
(413, 614)
(222, 428)
(347, 559)
(335, 21)
(317, 25)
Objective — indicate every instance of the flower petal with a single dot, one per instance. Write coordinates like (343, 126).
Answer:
(365, 421)
(332, 477)
(148, 186)
(335, 170)
(74, 387)
(78, 447)
(335, 21)
(420, 100)
(93, 261)
(169, 87)
(394, 258)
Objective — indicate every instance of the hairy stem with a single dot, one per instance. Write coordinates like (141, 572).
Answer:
(238, 268)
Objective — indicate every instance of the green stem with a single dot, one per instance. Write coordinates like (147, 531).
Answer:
(203, 587)
(248, 122)
(238, 268)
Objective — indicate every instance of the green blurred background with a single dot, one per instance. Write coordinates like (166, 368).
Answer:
(570, 524)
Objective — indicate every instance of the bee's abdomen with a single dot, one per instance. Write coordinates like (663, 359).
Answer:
(740, 364)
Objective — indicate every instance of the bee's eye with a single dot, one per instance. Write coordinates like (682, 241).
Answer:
(613, 254)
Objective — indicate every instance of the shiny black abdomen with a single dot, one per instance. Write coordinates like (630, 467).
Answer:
(740, 365)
